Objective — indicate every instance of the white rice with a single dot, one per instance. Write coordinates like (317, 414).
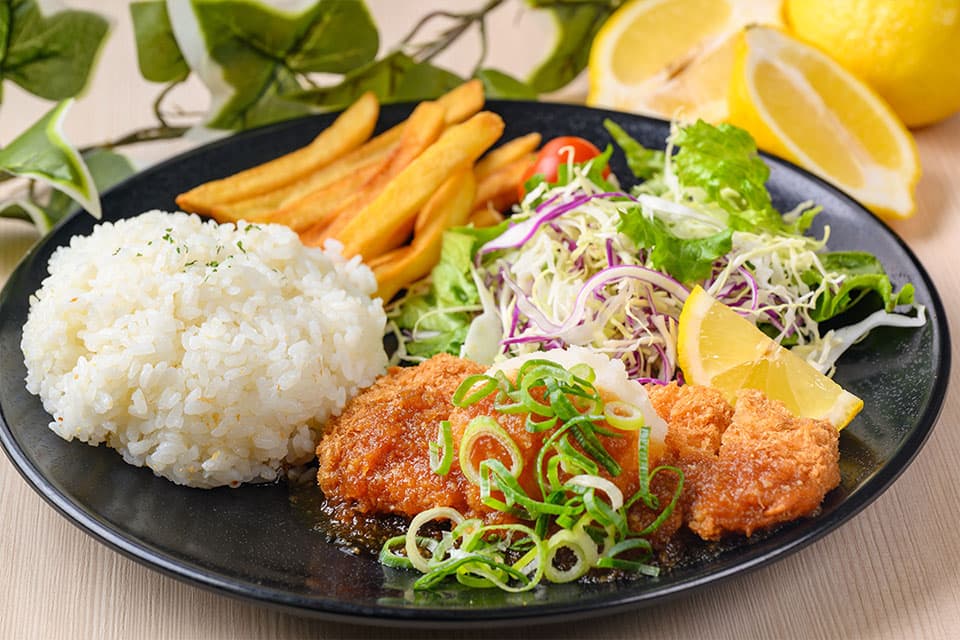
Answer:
(211, 354)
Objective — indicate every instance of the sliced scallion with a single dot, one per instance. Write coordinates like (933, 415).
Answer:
(623, 415)
(441, 449)
(481, 427)
(579, 545)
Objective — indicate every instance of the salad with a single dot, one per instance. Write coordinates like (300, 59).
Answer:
(585, 260)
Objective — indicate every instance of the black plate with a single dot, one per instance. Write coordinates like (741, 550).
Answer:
(256, 543)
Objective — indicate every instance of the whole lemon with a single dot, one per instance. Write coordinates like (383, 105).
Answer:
(907, 50)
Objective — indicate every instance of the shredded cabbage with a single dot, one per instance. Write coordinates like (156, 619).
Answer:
(585, 263)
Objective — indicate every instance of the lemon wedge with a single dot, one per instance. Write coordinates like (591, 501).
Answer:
(906, 50)
(671, 58)
(718, 348)
(799, 103)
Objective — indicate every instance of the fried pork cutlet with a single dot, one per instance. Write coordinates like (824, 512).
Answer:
(746, 467)
(772, 467)
(373, 457)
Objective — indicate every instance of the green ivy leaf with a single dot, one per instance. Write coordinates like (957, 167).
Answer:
(341, 38)
(499, 85)
(393, 78)
(260, 53)
(5, 13)
(42, 153)
(49, 56)
(26, 210)
(158, 53)
(107, 168)
(577, 24)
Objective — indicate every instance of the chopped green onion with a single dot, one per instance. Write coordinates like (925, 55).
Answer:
(584, 372)
(604, 514)
(668, 510)
(596, 482)
(609, 559)
(478, 428)
(643, 467)
(579, 545)
(572, 461)
(537, 426)
(588, 439)
(388, 557)
(470, 391)
(451, 566)
(585, 511)
(441, 450)
(413, 541)
(494, 475)
(623, 415)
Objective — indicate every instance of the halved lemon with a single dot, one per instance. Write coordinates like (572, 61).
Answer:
(672, 58)
(720, 349)
(799, 103)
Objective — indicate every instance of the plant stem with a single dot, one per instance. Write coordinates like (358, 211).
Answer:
(149, 134)
(429, 50)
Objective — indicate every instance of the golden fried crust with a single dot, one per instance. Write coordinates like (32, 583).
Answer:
(772, 467)
(373, 457)
(696, 418)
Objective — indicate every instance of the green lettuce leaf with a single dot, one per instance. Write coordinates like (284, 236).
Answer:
(50, 56)
(723, 161)
(644, 163)
(688, 260)
(435, 314)
(864, 275)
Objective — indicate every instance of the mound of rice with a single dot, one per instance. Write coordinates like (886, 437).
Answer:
(212, 354)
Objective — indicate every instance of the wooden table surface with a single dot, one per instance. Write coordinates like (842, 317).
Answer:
(891, 572)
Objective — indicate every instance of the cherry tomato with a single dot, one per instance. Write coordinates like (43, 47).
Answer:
(555, 153)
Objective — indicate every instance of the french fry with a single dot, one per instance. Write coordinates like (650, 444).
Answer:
(505, 154)
(448, 207)
(420, 131)
(499, 189)
(373, 152)
(322, 205)
(267, 206)
(463, 101)
(255, 209)
(347, 132)
(459, 104)
(371, 232)
(256, 193)
(485, 217)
